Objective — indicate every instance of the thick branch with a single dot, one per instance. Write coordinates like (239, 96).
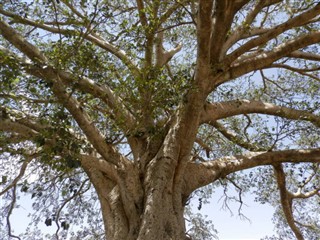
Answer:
(221, 110)
(241, 31)
(142, 13)
(223, 14)
(304, 55)
(105, 93)
(272, 33)
(204, 25)
(286, 200)
(201, 174)
(50, 75)
(20, 43)
(108, 152)
(265, 59)
(162, 56)
(8, 125)
(100, 165)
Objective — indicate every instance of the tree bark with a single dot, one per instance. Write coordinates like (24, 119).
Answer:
(157, 214)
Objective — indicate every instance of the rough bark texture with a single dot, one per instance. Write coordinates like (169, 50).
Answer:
(143, 193)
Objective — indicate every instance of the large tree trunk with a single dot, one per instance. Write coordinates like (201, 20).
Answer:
(146, 198)
(156, 214)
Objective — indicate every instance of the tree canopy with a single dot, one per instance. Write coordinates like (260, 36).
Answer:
(115, 114)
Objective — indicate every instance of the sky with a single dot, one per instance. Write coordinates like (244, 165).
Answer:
(229, 227)
(232, 227)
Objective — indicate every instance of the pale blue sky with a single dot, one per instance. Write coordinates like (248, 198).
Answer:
(232, 227)
(229, 227)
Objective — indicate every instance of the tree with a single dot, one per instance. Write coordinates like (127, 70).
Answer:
(148, 101)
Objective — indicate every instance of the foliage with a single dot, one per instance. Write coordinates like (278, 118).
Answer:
(93, 90)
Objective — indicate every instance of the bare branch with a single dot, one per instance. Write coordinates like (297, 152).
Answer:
(297, 70)
(223, 14)
(204, 27)
(101, 165)
(241, 31)
(272, 33)
(307, 194)
(265, 59)
(215, 111)
(304, 55)
(142, 14)
(233, 137)
(201, 174)
(162, 56)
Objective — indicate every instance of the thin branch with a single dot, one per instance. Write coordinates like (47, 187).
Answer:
(25, 98)
(171, 10)
(73, 10)
(204, 146)
(233, 137)
(20, 175)
(13, 202)
(239, 196)
(302, 72)
(66, 202)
